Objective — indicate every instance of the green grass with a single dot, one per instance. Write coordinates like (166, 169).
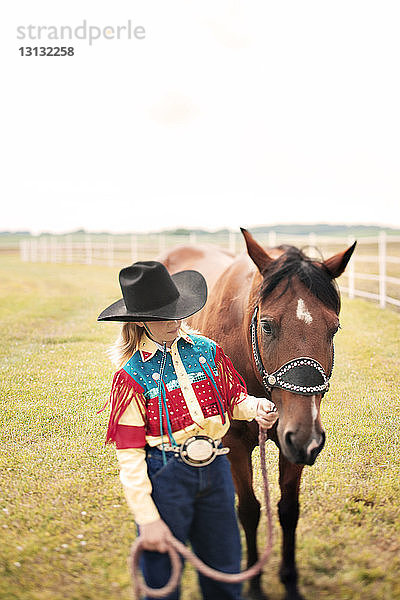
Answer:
(65, 528)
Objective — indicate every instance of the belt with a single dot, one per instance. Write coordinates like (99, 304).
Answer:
(196, 451)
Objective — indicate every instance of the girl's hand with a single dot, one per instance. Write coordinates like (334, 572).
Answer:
(156, 536)
(267, 414)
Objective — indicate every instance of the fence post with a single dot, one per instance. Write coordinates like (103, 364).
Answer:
(312, 245)
(312, 238)
(23, 249)
(88, 247)
(351, 271)
(53, 249)
(110, 251)
(68, 248)
(232, 242)
(382, 269)
(133, 248)
(33, 250)
(271, 239)
(43, 250)
(161, 243)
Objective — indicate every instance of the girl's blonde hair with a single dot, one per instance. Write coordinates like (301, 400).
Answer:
(128, 340)
(126, 344)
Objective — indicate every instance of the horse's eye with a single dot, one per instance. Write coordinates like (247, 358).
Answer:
(266, 327)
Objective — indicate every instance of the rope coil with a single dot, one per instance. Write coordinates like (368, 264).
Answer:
(177, 547)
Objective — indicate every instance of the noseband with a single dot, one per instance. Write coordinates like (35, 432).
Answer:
(301, 375)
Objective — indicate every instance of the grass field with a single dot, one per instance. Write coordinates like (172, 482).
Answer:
(65, 528)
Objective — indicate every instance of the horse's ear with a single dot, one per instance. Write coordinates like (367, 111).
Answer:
(335, 265)
(257, 254)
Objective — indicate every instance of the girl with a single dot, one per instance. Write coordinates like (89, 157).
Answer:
(172, 400)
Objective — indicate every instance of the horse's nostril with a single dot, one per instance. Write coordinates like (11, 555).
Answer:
(315, 448)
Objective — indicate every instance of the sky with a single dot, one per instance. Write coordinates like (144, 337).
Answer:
(220, 113)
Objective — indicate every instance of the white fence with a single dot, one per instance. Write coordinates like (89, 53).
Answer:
(385, 262)
(373, 271)
(112, 250)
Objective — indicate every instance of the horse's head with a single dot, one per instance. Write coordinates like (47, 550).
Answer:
(298, 316)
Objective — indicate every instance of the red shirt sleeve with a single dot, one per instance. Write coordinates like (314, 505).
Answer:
(125, 390)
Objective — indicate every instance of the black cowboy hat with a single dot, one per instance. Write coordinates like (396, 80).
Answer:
(150, 293)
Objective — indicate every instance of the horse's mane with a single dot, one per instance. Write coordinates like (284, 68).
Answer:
(312, 273)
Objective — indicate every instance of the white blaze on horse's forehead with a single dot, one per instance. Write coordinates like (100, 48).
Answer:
(302, 313)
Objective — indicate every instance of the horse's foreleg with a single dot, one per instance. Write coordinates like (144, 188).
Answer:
(288, 507)
(248, 508)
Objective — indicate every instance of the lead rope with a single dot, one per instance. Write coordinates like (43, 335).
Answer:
(176, 546)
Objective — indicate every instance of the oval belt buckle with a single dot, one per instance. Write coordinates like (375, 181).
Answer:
(198, 451)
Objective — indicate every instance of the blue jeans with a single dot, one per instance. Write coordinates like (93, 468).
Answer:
(197, 504)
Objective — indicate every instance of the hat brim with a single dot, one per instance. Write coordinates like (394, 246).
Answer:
(192, 289)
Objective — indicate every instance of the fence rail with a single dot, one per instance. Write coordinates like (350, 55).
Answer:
(373, 272)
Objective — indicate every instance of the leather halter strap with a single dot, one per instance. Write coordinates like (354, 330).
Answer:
(302, 375)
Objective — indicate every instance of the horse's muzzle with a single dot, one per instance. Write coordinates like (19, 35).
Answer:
(305, 453)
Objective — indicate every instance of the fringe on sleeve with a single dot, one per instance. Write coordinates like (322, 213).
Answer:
(233, 385)
(124, 390)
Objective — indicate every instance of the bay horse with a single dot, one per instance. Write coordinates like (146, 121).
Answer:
(293, 303)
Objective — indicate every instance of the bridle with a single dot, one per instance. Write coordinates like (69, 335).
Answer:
(303, 375)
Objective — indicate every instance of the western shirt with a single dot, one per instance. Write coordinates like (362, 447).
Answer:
(201, 391)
